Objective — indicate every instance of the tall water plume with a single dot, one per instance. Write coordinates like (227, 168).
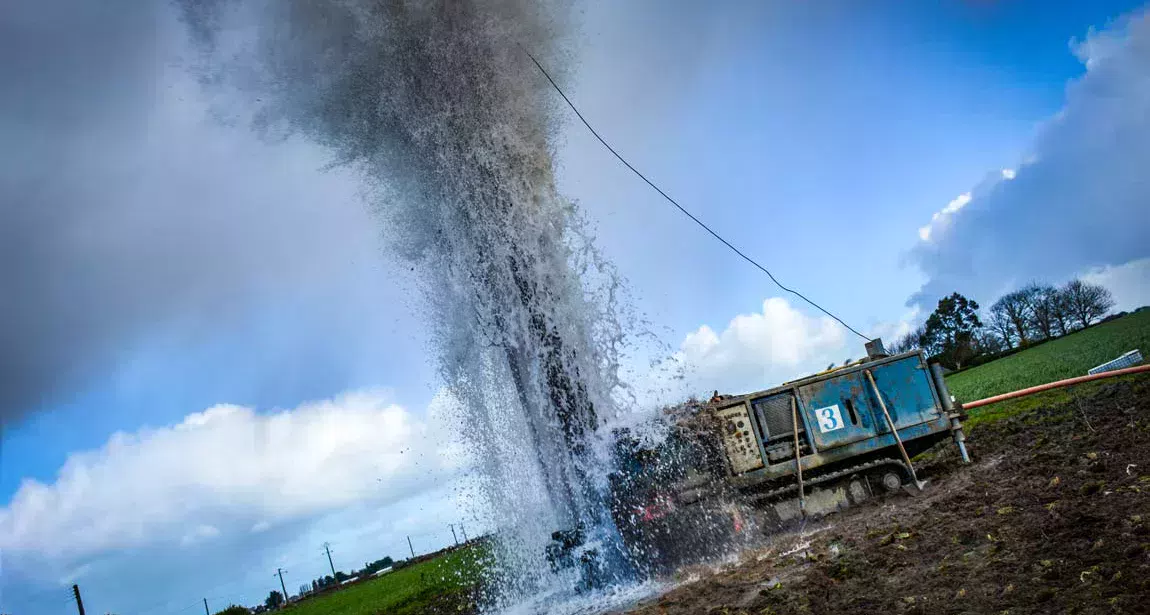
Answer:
(435, 102)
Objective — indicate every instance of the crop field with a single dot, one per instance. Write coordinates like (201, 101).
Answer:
(1065, 357)
(445, 584)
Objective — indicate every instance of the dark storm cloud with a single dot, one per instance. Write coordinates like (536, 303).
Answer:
(73, 75)
(1082, 202)
(126, 211)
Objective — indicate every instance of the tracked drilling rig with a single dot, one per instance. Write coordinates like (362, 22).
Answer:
(836, 437)
(756, 461)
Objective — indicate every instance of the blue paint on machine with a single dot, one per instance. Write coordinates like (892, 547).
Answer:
(731, 467)
(841, 418)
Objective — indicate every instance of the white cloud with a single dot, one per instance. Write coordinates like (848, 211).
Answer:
(1129, 283)
(955, 205)
(75, 574)
(892, 331)
(1076, 201)
(762, 349)
(199, 534)
(228, 468)
(940, 217)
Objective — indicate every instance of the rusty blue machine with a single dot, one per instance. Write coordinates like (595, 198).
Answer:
(740, 465)
(837, 436)
(805, 448)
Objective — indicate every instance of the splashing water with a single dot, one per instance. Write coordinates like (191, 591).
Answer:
(435, 103)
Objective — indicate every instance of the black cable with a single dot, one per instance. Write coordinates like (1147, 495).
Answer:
(680, 207)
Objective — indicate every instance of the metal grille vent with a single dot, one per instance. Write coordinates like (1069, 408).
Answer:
(774, 414)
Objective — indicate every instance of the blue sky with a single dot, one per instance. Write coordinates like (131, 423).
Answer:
(192, 264)
(809, 153)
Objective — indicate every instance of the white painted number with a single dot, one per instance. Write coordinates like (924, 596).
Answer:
(830, 418)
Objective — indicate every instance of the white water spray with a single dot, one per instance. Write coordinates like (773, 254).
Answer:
(438, 107)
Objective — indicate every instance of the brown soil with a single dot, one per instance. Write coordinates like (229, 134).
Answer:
(1053, 517)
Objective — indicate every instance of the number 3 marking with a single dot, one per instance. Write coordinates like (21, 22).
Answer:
(830, 418)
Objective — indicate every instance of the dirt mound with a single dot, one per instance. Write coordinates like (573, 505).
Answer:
(1054, 517)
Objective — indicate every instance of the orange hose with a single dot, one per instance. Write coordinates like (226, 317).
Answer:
(1056, 385)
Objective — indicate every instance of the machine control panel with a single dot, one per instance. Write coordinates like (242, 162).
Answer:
(739, 439)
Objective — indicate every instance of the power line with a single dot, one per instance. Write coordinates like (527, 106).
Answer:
(680, 207)
(189, 607)
(166, 605)
(44, 596)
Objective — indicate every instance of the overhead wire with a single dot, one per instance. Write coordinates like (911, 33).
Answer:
(682, 209)
(44, 598)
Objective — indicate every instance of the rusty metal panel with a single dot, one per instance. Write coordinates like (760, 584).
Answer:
(740, 439)
(841, 417)
(853, 368)
(936, 429)
(842, 408)
(774, 414)
(838, 410)
(908, 392)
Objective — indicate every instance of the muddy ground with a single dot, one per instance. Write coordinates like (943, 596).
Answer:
(1053, 517)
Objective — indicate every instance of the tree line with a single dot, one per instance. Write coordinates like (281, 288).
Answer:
(955, 333)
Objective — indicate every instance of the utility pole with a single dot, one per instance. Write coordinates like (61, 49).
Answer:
(453, 536)
(463, 530)
(408, 546)
(79, 602)
(206, 607)
(327, 549)
(280, 572)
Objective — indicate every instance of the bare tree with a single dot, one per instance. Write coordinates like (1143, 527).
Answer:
(910, 341)
(1061, 313)
(1086, 302)
(988, 341)
(1015, 308)
(1045, 309)
(1002, 327)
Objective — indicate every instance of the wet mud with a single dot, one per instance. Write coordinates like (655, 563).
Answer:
(1052, 517)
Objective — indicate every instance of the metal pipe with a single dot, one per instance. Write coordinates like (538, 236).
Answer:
(959, 438)
(940, 385)
(894, 430)
(798, 454)
(948, 407)
(1055, 385)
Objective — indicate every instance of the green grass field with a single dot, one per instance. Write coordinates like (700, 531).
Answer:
(442, 584)
(1065, 357)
